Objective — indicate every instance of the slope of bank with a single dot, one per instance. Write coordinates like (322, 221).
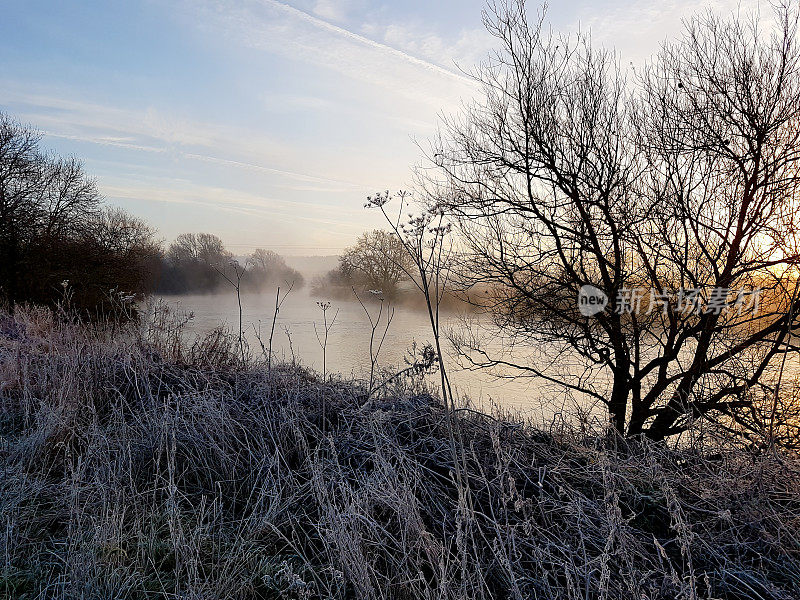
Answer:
(138, 466)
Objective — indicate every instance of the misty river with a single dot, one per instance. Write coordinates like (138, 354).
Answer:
(348, 342)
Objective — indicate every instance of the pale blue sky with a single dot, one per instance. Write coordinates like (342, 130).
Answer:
(265, 122)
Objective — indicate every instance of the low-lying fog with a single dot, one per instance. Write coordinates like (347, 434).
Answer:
(348, 338)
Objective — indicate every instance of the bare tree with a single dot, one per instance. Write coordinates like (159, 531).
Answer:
(376, 261)
(125, 250)
(20, 186)
(53, 228)
(193, 263)
(203, 248)
(42, 197)
(266, 267)
(673, 194)
(69, 199)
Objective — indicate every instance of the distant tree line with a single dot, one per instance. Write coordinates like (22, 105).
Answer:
(377, 266)
(197, 262)
(60, 243)
(55, 233)
(377, 262)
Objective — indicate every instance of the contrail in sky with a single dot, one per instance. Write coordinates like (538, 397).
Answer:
(320, 23)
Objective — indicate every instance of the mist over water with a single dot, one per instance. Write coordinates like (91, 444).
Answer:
(348, 346)
(348, 340)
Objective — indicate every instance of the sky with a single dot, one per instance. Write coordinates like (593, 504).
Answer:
(268, 122)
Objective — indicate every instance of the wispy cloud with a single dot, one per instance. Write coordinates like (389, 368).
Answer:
(636, 29)
(280, 29)
(291, 174)
(153, 131)
(459, 50)
(360, 39)
(176, 191)
(333, 10)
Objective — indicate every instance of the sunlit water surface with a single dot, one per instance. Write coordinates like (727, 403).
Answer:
(348, 343)
(349, 339)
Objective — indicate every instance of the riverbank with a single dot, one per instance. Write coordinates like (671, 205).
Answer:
(138, 465)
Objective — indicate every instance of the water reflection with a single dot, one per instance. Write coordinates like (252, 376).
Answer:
(348, 341)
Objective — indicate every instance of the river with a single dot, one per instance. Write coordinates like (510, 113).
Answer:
(349, 339)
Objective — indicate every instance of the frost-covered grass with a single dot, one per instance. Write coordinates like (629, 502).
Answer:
(135, 465)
